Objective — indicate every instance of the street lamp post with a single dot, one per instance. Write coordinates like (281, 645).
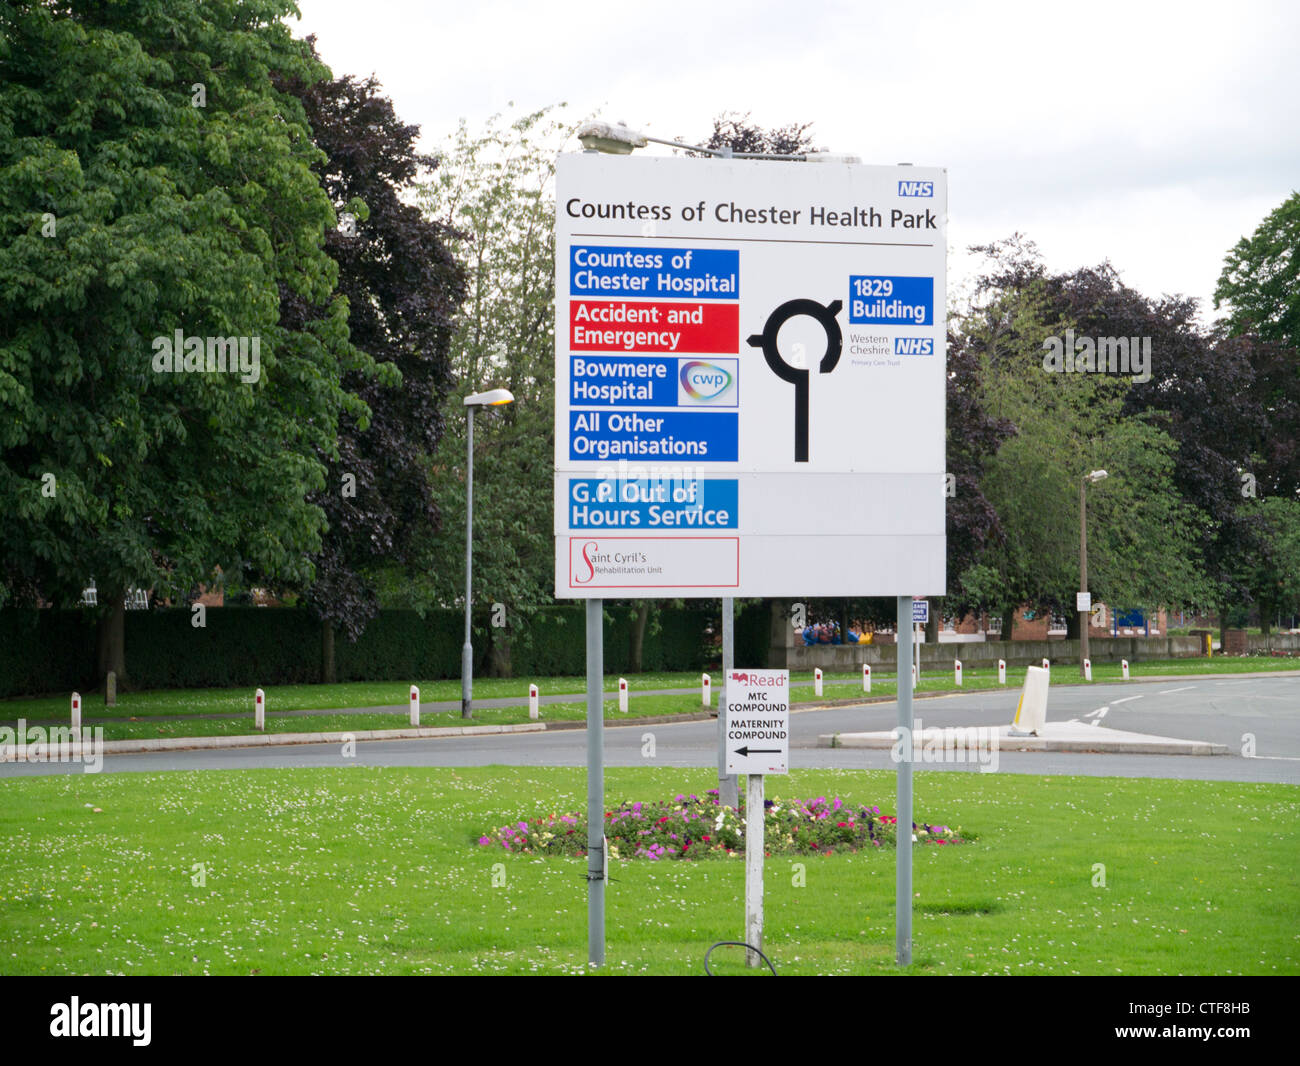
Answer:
(1096, 475)
(491, 398)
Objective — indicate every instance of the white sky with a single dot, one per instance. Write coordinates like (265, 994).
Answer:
(1151, 134)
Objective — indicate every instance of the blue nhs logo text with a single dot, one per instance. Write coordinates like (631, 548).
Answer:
(914, 346)
(916, 188)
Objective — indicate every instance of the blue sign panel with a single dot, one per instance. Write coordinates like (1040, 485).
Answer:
(618, 381)
(652, 503)
(876, 300)
(707, 273)
(697, 436)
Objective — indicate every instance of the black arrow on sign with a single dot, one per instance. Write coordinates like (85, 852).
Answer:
(747, 750)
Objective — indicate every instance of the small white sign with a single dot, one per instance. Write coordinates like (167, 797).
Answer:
(758, 721)
(1083, 601)
(921, 612)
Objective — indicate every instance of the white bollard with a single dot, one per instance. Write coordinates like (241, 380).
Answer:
(1047, 665)
(705, 684)
(1123, 665)
(622, 694)
(914, 675)
(259, 710)
(817, 681)
(1087, 669)
(415, 705)
(532, 701)
(76, 712)
(956, 669)
(1031, 711)
(866, 677)
(1002, 671)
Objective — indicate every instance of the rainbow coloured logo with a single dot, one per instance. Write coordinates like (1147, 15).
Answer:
(703, 381)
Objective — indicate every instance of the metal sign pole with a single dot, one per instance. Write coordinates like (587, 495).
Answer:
(754, 849)
(595, 783)
(728, 784)
(903, 854)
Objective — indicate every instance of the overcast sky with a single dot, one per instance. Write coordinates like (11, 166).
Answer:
(1154, 135)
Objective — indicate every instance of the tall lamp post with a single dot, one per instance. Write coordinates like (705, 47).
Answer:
(1096, 475)
(491, 398)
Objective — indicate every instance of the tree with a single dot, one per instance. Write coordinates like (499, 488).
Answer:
(403, 286)
(153, 185)
(737, 132)
(1260, 282)
(1260, 286)
(494, 189)
(1142, 534)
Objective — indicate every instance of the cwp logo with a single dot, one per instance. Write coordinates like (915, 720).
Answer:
(798, 375)
(704, 382)
(916, 188)
(914, 346)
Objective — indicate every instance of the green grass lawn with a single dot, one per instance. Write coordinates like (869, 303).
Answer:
(647, 706)
(369, 870)
(147, 705)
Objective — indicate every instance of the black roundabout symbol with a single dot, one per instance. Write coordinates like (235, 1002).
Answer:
(798, 376)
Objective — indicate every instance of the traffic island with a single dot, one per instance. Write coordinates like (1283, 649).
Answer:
(1054, 736)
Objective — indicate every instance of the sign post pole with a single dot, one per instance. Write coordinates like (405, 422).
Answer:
(754, 852)
(728, 784)
(687, 416)
(903, 854)
(595, 783)
(756, 707)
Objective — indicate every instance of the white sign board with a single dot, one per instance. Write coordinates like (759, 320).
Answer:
(1083, 601)
(758, 721)
(741, 349)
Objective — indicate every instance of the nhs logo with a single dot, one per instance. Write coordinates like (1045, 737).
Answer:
(916, 188)
(914, 346)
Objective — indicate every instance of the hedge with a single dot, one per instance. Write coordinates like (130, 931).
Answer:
(46, 651)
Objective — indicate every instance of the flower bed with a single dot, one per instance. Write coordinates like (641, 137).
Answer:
(694, 827)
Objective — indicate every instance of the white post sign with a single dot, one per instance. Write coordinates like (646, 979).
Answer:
(758, 721)
(756, 705)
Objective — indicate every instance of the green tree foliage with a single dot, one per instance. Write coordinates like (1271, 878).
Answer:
(1260, 287)
(403, 286)
(494, 189)
(152, 179)
(1260, 282)
(1142, 534)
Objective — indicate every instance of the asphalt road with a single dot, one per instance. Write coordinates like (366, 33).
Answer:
(1222, 711)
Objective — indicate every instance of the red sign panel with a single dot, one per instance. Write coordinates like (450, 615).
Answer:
(651, 326)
